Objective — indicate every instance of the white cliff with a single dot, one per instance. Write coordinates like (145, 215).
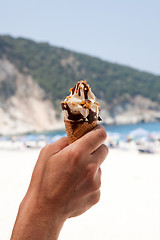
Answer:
(23, 107)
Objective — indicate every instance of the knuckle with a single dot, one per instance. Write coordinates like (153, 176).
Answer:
(105, 149)
(75, 154)
(93, 182)
(92, 185)
(97, 185)
(91, 170)
(102, 133)
(97, 197)
(90, 144)
(99, 173)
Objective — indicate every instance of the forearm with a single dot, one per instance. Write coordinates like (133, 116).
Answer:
(34, 223)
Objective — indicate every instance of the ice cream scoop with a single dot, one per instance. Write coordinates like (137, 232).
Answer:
(81, 111)
(81, 105)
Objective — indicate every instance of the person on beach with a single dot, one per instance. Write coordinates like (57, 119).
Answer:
(65, 183)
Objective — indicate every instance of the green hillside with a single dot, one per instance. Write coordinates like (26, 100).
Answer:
(57, 69)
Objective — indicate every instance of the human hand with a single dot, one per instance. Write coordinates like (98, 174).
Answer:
(66, 179)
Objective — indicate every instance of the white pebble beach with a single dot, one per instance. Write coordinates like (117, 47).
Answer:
(129, 207)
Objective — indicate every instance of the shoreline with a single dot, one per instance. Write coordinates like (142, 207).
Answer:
(141, 137)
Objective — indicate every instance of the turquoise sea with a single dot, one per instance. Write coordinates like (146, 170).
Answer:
(120, 129)
(126, 129)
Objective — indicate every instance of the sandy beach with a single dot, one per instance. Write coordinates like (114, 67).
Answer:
(129, 208)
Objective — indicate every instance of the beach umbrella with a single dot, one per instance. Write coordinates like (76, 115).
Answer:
(139, 132)
(155, 136)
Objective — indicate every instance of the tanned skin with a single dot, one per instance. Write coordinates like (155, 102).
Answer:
(65, 183)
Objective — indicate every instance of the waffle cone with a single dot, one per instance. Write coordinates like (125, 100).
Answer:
(76, 130)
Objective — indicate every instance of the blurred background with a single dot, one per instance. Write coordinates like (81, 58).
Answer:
(45, 48)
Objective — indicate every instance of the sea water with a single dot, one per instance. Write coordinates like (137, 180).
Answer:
(112, 130)
(120, 129)
(126, 129)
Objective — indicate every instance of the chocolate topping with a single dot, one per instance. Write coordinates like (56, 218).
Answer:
(85, 104)
(86, 89)
(92, 116)
(76, 117)
(77, 89)
(71, 116)
(73, 89)
(99, 118)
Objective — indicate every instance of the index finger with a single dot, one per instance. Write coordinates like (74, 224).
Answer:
(91, 140)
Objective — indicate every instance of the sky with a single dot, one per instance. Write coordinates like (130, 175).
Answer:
(120, 31)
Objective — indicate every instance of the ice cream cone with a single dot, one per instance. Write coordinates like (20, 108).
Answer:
(76, 130)
(81, 111)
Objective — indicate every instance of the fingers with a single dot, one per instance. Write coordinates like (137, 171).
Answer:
(94, 197)
(92, 140)
(86, 203)
(91, 182)
(55, 147)
(99, 155)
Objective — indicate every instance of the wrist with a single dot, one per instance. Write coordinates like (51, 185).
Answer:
(36, 221)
